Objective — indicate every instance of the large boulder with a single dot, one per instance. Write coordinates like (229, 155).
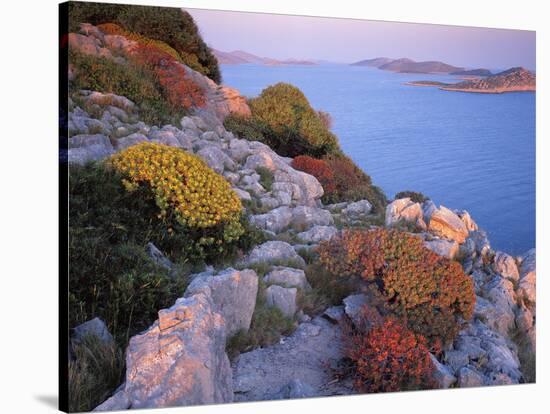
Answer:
(216, 159)
(274, 252)
(405, 210)
(287, 277)
(233, 293)
(276, 220)
(282, 298)
(304, 217)
(94, 327)
(445, 248)
(180, 359)
(445, 223)
(357, 209)
(317, 234)
(84, 148)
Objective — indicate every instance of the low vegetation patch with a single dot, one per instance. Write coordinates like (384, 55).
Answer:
(431, 293)
(172, 26)
(136, 82)
(267, 326)
(415, 196)
(97, 369)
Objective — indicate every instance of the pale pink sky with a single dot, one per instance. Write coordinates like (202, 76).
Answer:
(349, 40)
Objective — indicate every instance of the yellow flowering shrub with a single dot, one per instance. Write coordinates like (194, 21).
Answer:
(182, 184)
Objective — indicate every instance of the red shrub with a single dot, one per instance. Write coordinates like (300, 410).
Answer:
(388, 358)
(178, 88)
(318, 168)
(431, 293)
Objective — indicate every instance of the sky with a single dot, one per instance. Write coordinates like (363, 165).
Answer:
(349, 40)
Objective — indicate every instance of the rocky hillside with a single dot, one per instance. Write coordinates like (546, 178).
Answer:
(274, 321)
(511, 80)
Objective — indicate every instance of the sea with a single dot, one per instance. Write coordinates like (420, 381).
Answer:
(466, 151)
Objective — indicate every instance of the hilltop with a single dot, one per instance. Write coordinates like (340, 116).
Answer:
(512, 80)
(239, 57)
(406, 65)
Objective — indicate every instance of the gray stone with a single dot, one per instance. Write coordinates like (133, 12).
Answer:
(118, 402)
(406, 210)
(498, 319)
(302, 356)
(275, 220)
(282, 298)
(481, 242)
(505, 265)
(158, 257)
(239, 149)
(296, 389)
(233, 293)
(303, 217)
(242, 194)
(274, 252)
(357, 209)
(442, 374)
(527, 288)
(128, 141)
(317, 234)
(187, 123)
(216, 159)
(467, 377)
(335, 313)
(445, 248)
(180, 359)
(468, 221)
(353, 307)
(94, 327)
(287, 277)
(428, 208)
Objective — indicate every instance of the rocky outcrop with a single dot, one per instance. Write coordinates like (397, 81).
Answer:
(233, 294)
(282, 298)
(305, 356)
(274, 252)
(179, 360)
(444, 223)
(287, 277)
(404, 210)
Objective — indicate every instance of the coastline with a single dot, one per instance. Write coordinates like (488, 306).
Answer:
(471, 90)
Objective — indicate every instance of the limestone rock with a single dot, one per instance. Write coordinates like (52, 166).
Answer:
(303, 217)
(404, 209)
(84, 148)
(468, 377)
(447, 224)
(357, 209)
(445, 248)
(275, 220)
(282, 298)
(233, 293)
(129, 140)
(180, 359)
(317, 234)
(216, 159)
(443, 375)
(94, 327)
(287, 277)
(274, 252)
(296, 389)
(528, 275)
(505, 265)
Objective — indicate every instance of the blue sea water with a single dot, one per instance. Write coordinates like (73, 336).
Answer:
(467, 151)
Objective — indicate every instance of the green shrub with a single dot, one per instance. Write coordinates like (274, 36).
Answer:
(96, 370)
(415, 196)
(283, 119)
(135, 82)
(173, 26)
(266, 178)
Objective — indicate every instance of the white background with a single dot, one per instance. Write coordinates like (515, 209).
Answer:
(28, 171)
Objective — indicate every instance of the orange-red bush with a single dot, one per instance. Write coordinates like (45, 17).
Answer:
(318, 168)
(431, 293)
(389, 357)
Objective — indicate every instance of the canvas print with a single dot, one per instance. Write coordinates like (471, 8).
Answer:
(266, 207)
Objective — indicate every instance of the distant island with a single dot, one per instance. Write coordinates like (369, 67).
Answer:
(512, 80)
(239, 57)
(472, 72)
(405, 65)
